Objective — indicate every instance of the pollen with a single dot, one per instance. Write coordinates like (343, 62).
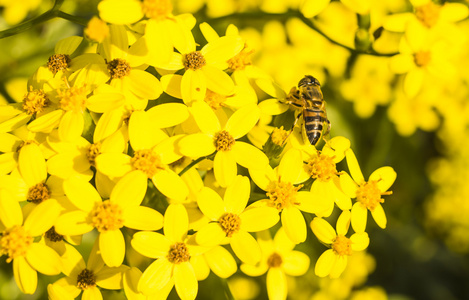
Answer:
(15, 242)
(224, 141)
(230, 223)
(274, 260)
(93, 151)
(107, 216)
(86, 279)
(422, 58)
(35, 101)
(282, 194)
(214, 100)
(58, 62)
(118, 68)
(428, 14)
(241, 60)
(279, 135)
(72, 99)
(53, 236)
(96, 30)
(147, 161)
(157, 9)
(342, 246)
(178, 253)
(194, 61)
(38, 193)
(369, 194)
(322, 167)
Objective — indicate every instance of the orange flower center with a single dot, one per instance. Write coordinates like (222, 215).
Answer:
(96, 30)
(428, 14)
(230, 223)
(53, 236)
(279, 135)
(369, 194)
(274, 260)
(240, 60)
(107, 216)
(322, 167)
(194, 60)
(422, 58)
(35, 101)
(73, 99)
(214, 100)
(86, 279)
(15, 242)
(58, 62)
(93, 152)
(224, 141)
(118, 68)
(282, 194)
(147, 161)
(342, 245)
(178, 253)
(38, 193)
(157, 9)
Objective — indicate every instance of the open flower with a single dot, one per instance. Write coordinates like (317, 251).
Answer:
(367, 193)
(333, 261)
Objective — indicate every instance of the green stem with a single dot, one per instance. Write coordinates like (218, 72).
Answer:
(226, 288)
(252, 16)
(189, 166)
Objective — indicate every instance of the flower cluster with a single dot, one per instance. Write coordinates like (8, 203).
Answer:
(163, 149)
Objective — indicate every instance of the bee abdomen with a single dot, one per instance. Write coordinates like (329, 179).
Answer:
(313, 121)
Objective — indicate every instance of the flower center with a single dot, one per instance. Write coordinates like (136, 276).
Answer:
(157, 9)
(35, 101)
(118, 68)
(240, 60)
(224, 141)
(230, 223)
(214, 100)
(53, 236)
(274, 260)
(279, 135)
(428, 14)
(422, 58)
(342, 245)
(369, 194)
(58, 62)
(107, 216)
(15, 242)
(282, 194)
(178, 253)
(194, 60)
(38, 193)
(93, 152)
(86, 279)
(96, 30)
(322, 167)
(147, 161)
(73, 99)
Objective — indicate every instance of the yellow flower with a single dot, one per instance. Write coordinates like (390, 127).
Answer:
(96, 30)
(17, 241)
(218, 259)
(278, 260)
(14, 12)
(120, 11)
(223, 141)
(62, 61)
(285, 197)
(122, 209)
(333, 261)
(153, 151)
(172, 253)
(85, 277)
(367, 193)
(231, 220)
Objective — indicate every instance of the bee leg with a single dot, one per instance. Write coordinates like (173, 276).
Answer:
(327, 134)
(293, 127)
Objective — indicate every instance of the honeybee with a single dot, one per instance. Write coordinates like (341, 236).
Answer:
(309, 99)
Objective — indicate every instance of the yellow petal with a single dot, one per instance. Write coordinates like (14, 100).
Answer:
(142, 218)
(360, 241)
(120, 11)
(263, 177)
(242, 121)
(139, 124)
(111, 278)
(210, 203)
(130, 190)
(82, 194)
(210, 235)
(272, 107)
(72, 261)
(401, 63)
(155, 277)
(208, 32)
(43, 217)
(453, 12)
(225, 168)
(291, 163)
(8, 162)
(197, 145)
(249, 156)
(354, 167)
(108, 123)
(276, 284)
(359, 217)
(323, 230)
(171, 84)
(185, 281)
(413, 82)
(158, 42)
(32, 165)
(325, 263)
(170, 184)
(112, 247)
(294, 224)
(130, 283)
(259, 218)
(245, 247)
(10, 210)
(176, 222)
(339, 266)
(114, 164)
(47, 122)
(221, 262)
(25, 275)
(347, 185)
(71, 126)
(379, 216)
(44, 259)
(237, 195)
(92, 293)
(271, 88)
(312, 8)
(205, 118)
(295, 263)
(384, 177)
(73, 223)
(104, 102)
(168, 114)
(68, 45)
(222, 49)
(193, 86)
(218, 81)
(144, 85)
(151, 244)
(397, 22)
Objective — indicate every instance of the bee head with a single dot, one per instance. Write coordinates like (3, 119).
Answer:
(308, 80)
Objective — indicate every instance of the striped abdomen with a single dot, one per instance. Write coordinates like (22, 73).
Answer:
(315, 119)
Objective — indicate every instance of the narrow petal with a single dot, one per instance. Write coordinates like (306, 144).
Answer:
(339, 266)
(259, 218)
(222, 49)
(291, 163)
(25, 275)
(168, 114)
(205, 118)
(44, 259)
(225, 168)
(139, 123)
(104, 102)
(237, 195)
(151, 244)
(120, 11)
(144, 85)
(348, 186)
(314, 202)
(360, 241)
(354, 167)
(453, 12)
(401, 63)
(114, 164)
(71, 126)
(112, 247)
(359, 217)
(172, 85)
(323, 230)
(32, 165)
(176, 222)
(43, 217)
(155, 277)
(210, 203)
(73, 223)
(158, 42)
(130, 190)
(379, 216)
(47, 122)
(272, 107)
(263, 177)
(92, 293)
(82, 194)
(193, 86)
(185, 281)
(218, 81)
(271, 88)
(130, 283)
(170, 184)
(249, 156)
(294, 224)
(142, 218)
(325, 263)
(385, 177)
(276, 281)
(245, 247)
(210, 235)
(111, 278)
(413, 82)
(295, 263)
(197, 145)
(221, 262)
(242, 121)
(10, 210)
(343, 222)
